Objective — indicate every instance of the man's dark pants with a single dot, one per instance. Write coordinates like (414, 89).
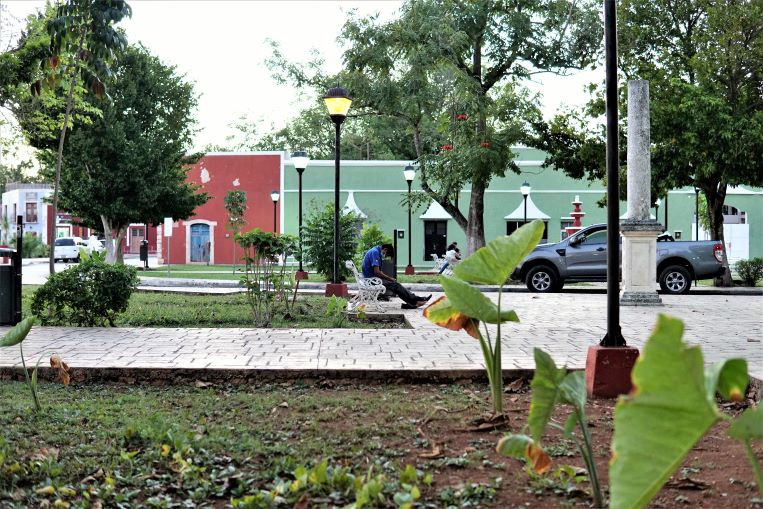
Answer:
(401, 291)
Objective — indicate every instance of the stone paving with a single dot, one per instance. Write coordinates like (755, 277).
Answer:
(563, 324)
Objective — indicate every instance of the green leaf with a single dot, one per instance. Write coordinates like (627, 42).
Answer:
(514, 446)
(17, 334)
(471, 302)
(728, 377)
(573, 390)
(546, 392)
(494, 263)
(664, 418)
(749, 425)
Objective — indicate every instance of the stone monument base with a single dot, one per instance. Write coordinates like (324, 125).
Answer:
(640, 299)
(336, 289)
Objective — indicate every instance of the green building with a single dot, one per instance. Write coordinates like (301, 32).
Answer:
(375, 189)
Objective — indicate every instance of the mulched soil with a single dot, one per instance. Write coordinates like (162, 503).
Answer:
(716, 473)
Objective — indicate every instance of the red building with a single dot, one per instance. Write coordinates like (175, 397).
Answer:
(204, 237)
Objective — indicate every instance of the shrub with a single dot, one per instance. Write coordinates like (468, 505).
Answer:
(318, 240)
(33, 247)
(370, 236)
(90, 294)
(750, 271)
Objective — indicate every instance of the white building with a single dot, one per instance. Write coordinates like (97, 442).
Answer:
(30, 202)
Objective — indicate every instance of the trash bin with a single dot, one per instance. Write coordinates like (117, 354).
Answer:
(144, 253)
(10, 295)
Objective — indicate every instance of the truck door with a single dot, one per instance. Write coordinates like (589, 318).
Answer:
(588, 259)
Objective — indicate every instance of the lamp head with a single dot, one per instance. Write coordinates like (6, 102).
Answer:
(409, 173)
(525, 188)
(338, 103)
(300, 160)
(274, 196)
(657, 202)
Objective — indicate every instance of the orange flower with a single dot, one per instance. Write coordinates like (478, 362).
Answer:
(62, 367)
(441, 313)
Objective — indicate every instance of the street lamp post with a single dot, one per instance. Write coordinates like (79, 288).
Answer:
(525, 188)
(300, 160)
(274, 196)
(338, 103)
(409, 173)
(666, 211)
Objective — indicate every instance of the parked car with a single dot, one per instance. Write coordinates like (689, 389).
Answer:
(583, 257)
(67, 248)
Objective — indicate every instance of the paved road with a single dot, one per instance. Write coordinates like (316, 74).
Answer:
(563, 324)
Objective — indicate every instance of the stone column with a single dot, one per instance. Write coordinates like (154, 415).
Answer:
(639, 231)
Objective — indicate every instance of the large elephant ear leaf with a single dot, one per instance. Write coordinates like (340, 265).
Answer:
(473, 303)
(749, 425)
(729, 378)
(17, 334)
(546, 392)
(663, 418)
(494, 263)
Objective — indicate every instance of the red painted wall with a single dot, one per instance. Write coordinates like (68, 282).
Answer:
(255, 174)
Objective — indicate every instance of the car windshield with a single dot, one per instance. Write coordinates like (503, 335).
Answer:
(64, 242)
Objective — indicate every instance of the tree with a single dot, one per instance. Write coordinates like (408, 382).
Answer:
(83, 40)
(704, 64)
(446, 60)
(130, 166)
(235, 205)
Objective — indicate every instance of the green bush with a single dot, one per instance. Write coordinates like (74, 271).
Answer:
(370, 236)
(90, 294)
(750, 271)
(318, 240)
(33, 247)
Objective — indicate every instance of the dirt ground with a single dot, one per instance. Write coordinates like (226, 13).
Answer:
(715, 474)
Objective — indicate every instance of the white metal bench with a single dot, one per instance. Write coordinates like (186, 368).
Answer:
(438, 262)
(369, 290)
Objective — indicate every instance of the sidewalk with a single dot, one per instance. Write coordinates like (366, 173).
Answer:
(565, 325)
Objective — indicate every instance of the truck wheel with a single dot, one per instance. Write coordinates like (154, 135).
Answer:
(675, 279)
(541, 279)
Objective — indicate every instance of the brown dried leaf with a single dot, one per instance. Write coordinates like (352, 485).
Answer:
(541, 461)
(436, 452)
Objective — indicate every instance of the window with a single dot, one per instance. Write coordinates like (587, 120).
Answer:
(512, 226)
(565, 223)
(137, 232)
(31, 213)
(64, 242)
(597, 237)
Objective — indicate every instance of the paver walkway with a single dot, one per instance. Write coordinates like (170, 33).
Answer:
(563, 324)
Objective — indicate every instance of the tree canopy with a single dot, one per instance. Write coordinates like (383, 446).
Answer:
(130, 165)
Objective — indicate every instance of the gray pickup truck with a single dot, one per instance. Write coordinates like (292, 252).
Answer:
(583, 257)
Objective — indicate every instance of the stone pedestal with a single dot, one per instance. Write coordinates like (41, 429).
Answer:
(336, 289)
(640, 263)
(608, 370)
(300, 275)
(409, 270)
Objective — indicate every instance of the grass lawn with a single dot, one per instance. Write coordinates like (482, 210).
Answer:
(226, 274)
(156, 309)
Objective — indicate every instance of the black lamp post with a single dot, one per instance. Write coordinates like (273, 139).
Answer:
(525, 188)
(300, 160)
(274, 196)
(338, 104)
(409, 173)
(666, 210)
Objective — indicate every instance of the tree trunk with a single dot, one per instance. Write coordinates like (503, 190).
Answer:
(57, 182)
(475, 227)
(110, 255)
(119, 253)
(715, 197)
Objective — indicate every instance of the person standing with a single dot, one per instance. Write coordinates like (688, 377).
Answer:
(372, 268)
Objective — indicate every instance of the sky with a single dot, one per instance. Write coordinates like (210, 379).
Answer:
(220, 46)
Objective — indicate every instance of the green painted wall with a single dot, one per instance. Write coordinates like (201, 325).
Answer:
(378, 187)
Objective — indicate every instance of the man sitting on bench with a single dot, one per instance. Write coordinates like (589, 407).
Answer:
(372, 268)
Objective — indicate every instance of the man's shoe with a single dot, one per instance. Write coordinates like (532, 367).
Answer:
(407, 306)
(424, 299)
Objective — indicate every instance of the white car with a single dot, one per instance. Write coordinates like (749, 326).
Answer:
(67, 248)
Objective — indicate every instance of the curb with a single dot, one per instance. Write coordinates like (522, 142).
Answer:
(155, 282)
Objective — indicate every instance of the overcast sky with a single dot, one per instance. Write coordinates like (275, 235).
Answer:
(220, 46)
